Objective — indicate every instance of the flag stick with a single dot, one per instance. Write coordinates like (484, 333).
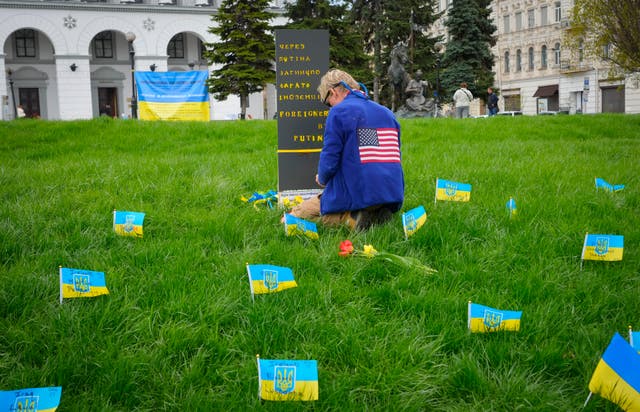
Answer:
(259, 375)
(631, 336)
(469, 315)
(435, 198)
(587, 401)
(60, 273)
(250, 282)
(584, 247)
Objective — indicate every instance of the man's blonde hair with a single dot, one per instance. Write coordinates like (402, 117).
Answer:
(332, 79)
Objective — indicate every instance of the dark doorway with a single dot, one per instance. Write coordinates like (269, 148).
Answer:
(29, 98)
(613, 99)
(108, 101)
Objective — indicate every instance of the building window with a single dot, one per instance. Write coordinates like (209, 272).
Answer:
(531, 60)
(505, 23)
(606, 51)
(558, 11)
(518, 21)
(581, 51)
(543, 15)
(518, 60)
(543, 57)
(25, 43)
(175, 49)
(103, 45)
(506, 62)
(531, 19)
(556, 50)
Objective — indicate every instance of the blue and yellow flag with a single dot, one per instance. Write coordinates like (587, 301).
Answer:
(31, 400)
(288, 380)
(608, 187)
(413, 220)
(80, 283)
(295, 226)
(511, 207)
(128, 223)
(617, 376)
(634, 339)
(452, 191)
(269, 279)
(603, 247)
(486, 319)
(173, 95)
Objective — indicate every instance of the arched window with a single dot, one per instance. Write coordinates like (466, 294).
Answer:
(175, 49)
(518, 60)
(543, 57)
(506, 61)
(556, 50)
(531, 61)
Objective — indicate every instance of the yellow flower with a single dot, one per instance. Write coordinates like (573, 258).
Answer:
(369, 251)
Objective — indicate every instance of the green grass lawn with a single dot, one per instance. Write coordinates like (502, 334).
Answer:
(179, 331)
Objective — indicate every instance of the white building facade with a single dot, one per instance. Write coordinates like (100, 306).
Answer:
(536, 72)
(72, 59)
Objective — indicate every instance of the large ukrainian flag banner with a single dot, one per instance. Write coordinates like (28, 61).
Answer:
(79, 283)
(173, 95)
(603, 247)
(31, 400)
(288, 380)
(486, 319)
(128, 223)
(270, 278)
(413, 220)
(452, 191)
(617, 376)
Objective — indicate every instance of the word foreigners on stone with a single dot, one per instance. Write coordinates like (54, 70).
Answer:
(285, 114)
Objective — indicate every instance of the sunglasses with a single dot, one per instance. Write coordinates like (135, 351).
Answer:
(326, 98)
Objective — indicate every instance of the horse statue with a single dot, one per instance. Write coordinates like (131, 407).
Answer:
(397, 74)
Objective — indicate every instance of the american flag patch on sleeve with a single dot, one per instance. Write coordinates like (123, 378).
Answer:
(378, 145)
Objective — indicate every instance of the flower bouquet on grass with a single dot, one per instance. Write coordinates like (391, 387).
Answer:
(347, 249)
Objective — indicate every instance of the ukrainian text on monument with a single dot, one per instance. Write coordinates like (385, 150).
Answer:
(302, 57)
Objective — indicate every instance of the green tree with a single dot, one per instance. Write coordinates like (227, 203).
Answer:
(346, 46)
(614, 25)
(468, 54)
(245, 52)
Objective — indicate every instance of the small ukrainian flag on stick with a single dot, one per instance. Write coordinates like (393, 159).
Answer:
(128, 223)
(511, 207)
(602, 247)
(296, 226)
(287, 380)
(616, 376)
(452, 191)
(269, 279)
(80, 283)
(413, 220)
(31, 399)
(487, 319)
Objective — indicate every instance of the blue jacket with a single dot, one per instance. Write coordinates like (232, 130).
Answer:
(354, 181)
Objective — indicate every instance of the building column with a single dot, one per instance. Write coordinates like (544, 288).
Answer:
(5, 93)
(74, 87)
